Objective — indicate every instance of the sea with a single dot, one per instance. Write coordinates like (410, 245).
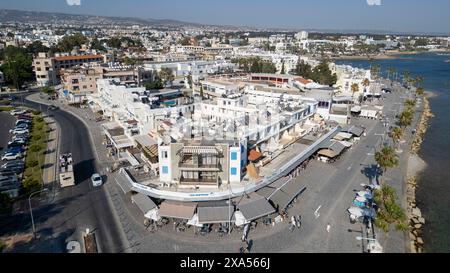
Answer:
(433, 193)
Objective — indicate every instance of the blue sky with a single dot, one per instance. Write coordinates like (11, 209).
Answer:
(391, 15)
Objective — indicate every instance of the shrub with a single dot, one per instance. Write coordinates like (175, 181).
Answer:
(31, 184)
(6, 108)
(32, 163)
(39, 119)
(36, 112)
(36, 148)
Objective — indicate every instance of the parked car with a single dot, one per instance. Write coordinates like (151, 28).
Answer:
(14, 144)
(96, 180)
(11, 156)
(19, 136)
(19, 131)
(16, 112)
(20, 140)
(25, 116)
(15, 150)
(11, 171)
(24, 121)
(12, 163)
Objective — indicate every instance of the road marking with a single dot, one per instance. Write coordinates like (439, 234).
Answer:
(370, 154)
(350, 167)
(316, 212)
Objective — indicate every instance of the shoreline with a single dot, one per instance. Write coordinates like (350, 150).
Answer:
(415, 166)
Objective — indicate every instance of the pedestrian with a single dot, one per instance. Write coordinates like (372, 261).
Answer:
(328, 227)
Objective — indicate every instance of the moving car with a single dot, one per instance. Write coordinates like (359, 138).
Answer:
(53, 107)
(96, 180)
(11, 156)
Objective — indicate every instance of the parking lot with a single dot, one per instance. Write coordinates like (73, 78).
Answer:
(14, 137)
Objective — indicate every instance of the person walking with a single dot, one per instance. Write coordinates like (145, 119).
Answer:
(328, 227)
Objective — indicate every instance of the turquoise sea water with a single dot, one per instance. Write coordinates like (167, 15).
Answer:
(433, 194)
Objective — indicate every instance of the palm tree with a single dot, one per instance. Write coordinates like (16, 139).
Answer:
(386, 158)
(419, 80)
(419, 91)
(410, 104)
(355, 89)
(406, 76)
(396, 134)
(405, 118)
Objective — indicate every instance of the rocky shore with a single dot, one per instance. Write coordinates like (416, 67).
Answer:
(415, 166)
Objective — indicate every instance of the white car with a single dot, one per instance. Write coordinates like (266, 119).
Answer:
(11, 156)
(16, 112)
(19, 131)
(96, 180)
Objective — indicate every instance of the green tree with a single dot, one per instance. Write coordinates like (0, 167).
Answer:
(31, 184)
(303, 69)
(323, 75)
(154, 85)
(389, 211)
(114, 42)
(96, 44)
(48, 90)
(420, 91)
(17, 66)
(67, 43)
(386, 158)
(396, 134)
(36, 47)
(405, 118)
(166, 75)
(129, 61)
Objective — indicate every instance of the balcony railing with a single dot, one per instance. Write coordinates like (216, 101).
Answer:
(199, 166)
(191, 181)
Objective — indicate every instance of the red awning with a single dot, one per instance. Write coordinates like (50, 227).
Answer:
(254, 155)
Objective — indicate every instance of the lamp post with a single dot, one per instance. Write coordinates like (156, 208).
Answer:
(31, 210)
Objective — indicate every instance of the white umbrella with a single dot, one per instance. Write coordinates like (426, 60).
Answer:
(361, 199)
(358, 212)
(240, 219)
(153, 215)
(194, 221)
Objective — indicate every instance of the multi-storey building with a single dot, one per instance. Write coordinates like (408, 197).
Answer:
(47, 68)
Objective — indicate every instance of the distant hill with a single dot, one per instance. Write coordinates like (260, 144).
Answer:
(9, 16)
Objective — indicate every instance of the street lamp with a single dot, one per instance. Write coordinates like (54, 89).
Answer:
(31, 210)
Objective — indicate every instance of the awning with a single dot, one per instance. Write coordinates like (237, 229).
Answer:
(355, 130)
(123, 183)
(215, 212)
(284, 196)
(327, 152)
(254, 206)
(254, 155)
(177, 209)
(145, 140)
(343, 136)
(240, 219)
(200, 150)
(356, 109)
(143, 202)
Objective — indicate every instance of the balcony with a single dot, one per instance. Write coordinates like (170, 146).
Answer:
(195, 182)
(199, 166)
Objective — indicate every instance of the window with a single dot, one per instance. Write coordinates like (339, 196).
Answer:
(233, 156)
(165, 169)
(164, 154)
(233, 171)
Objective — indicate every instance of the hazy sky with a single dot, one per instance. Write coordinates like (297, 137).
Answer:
(390, 15)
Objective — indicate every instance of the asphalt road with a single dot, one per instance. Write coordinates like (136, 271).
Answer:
(73, 209)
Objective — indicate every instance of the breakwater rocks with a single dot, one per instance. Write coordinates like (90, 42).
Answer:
(422, 126)
(416, 220)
